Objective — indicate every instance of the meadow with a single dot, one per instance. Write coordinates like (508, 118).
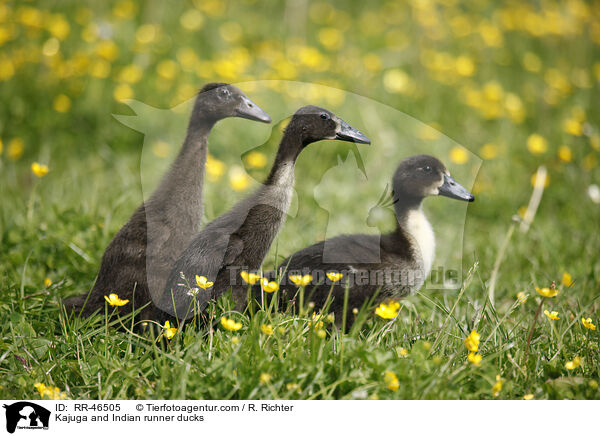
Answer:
(95, 100)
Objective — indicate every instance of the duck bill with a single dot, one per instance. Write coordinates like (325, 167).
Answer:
(251, 111)
(348, 133)
(450, 188)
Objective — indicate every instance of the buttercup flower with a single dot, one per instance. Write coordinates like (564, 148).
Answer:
(528, 397)
(474, 358)
(203, 283)
(299, 280)
(317, 321)
(588, 324)
(521, 297)
(249, 278)
(402, 352)
(551, 315)
(334, 277)
(391, 381)
(47, 282)
(567, 279)
(265, 378)
(39, 170)
(168, 331)
(268, 287)
(498, 386)
(114, 300)
(267, 329)
(575, 363)
(51, 392)
(547, 292)
(388, 311)
(472, 341)
(230, 324)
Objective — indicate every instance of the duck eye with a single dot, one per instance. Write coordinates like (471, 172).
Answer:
(325, 116)
(224, 92)
(427, 168)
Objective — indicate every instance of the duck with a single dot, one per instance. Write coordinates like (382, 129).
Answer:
(382, 267)
(239, 239)
(137, 260)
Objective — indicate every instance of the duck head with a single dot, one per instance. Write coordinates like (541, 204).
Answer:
(216, 101)
(422, 176)
(313, 123)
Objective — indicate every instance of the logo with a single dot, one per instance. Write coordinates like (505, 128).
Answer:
(26, 415)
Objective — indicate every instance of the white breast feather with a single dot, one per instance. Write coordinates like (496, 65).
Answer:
(421, 231)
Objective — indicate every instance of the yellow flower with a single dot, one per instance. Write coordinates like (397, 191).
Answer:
(214, 169)
(522, 297)
(537, 144)
(203, 283)
(229, 324)
(498, 386)
(47, 282)
(459, 155)
(235, 340)
(317, 321)
(588, 324)
(322, 334)
(114, 300)
(249, 278)
(39, 170)
(53, 393)
(567, 279)
(169, 331)
(15, 149)
(565, 154)
(388, 311)
(472, 341)
(528, 397)
(334, 277)
(573, 127)
(293, 387)
(61, 103)
(256, 159)
(575, 363)
(125, 10)
(474, 358)
(489, 151)
(268, 287)
(167, 69)
(238, 179)
(192, 20)
(398, 82)
(265, 378)
(267, 329)
(123, 92)
(331, 38)
(391, 381)
(547, 292)
(402, 352)
(551, 315)
(299, 280)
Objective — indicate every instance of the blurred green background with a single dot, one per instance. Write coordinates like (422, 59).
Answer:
(506, 85)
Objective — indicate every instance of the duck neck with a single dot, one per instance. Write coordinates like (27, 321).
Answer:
(404, 206)
(283, 167)
(181, 189)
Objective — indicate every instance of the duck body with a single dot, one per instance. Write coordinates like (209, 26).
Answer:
(397, 264)
(240, 239)
(138, 259)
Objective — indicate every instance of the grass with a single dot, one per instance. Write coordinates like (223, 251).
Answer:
(58, 226)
